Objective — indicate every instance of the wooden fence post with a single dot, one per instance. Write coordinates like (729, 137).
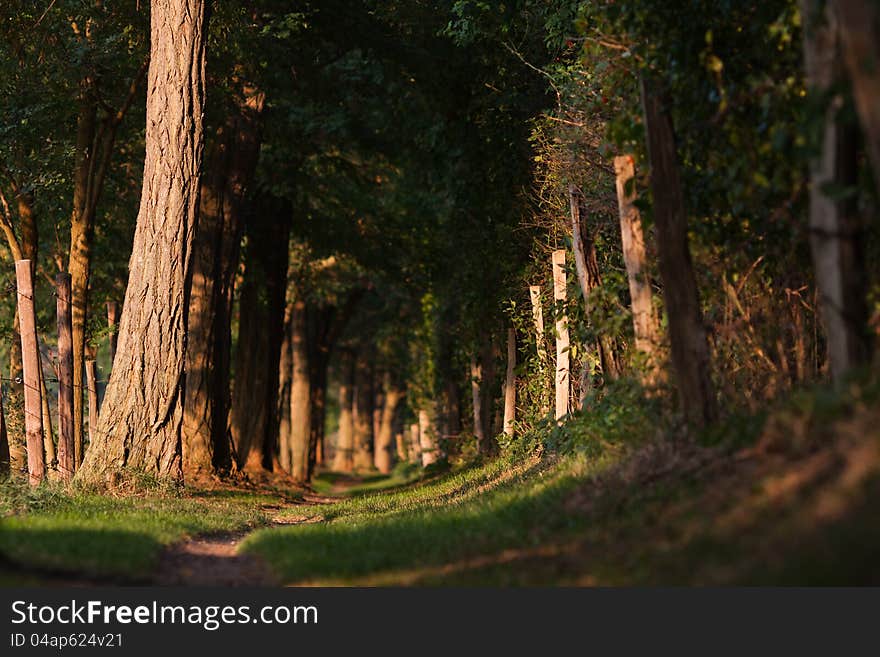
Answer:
(30, 357)
(91, 383)
(66, 461)
(562, 339)
(645, 323)
(427, 439)
(538, 320)
(112, 324)
(510, 384)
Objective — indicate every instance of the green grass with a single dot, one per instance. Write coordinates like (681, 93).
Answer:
(111, 536)
(472, 512)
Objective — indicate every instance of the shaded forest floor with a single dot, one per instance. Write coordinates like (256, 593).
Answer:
(794, 502)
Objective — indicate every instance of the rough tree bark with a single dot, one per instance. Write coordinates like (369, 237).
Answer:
(229, 167)
(687, 334)
(835, 228)
(141, 422)
(645, 323)
(95, 140)
(254, 418)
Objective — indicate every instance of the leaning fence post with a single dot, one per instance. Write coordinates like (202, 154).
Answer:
(30, 360)
(562, 341)
(66, 460)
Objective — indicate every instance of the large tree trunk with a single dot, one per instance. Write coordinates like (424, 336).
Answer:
(255, 418)
(687, 334)
(229, 168)
(80, 256)
(94, 149)
(343, 460)
(859, 22)
(141, 420)
(364, 399)
(587, 266)
(835, 229)
(482, 386)
(385, 446)
(645, 323)
(300, 396)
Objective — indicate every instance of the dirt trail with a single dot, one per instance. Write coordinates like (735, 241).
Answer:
(213, 559)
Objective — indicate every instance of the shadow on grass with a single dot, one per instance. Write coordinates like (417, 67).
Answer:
(78, 553)
(504, 517)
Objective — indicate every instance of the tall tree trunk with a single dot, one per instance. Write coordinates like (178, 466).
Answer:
(94, 149)
(256, 411)
(80, 256)
(364, 438)
(859, 22)
(835, 230)
(385, 447)
(318, 364)
(229, 167)
(300, 395)
(142, 418)
(687, 334)
(285, 378)
(343, 460)
(645, 323)
(587, 266)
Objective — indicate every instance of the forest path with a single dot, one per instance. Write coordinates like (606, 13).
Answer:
(214, 560)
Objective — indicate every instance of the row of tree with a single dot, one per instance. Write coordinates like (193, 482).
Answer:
(363, 211)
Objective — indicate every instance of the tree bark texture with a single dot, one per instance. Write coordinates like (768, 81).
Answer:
(256, 411)
(687, 334)
(229, 167)
(141, 423)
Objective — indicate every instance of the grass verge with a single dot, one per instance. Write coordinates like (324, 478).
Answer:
(110, 537)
